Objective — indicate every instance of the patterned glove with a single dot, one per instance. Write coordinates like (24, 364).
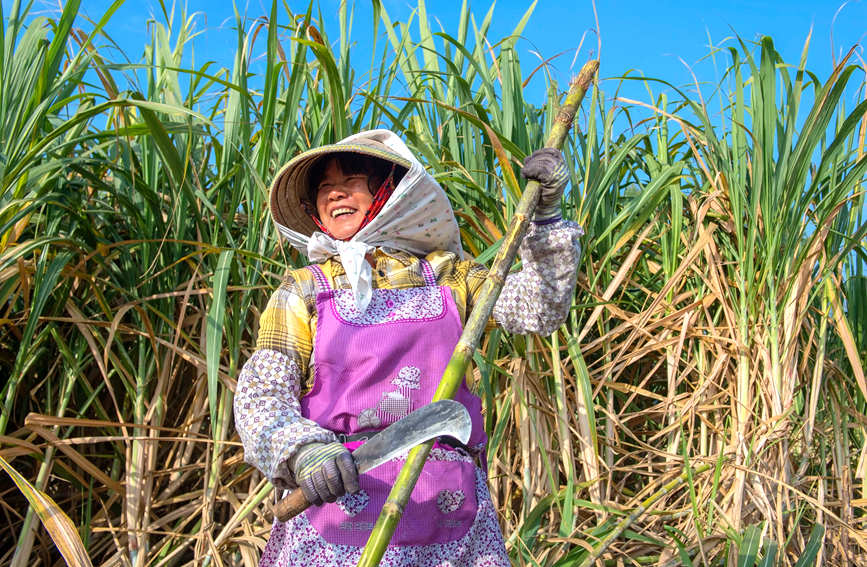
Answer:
(548, 167)
(325, 472)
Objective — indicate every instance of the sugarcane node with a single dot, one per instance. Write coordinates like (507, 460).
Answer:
(496, 277)
(465, 349)
(392, 508)
(565, 116)
(585, 76)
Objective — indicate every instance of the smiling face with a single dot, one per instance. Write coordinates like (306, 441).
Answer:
(341, 200)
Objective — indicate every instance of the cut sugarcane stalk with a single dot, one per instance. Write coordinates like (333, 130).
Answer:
(475, 326)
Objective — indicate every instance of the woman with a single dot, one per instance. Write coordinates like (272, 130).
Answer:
(359, 339)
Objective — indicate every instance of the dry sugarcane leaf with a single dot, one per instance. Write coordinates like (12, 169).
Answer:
(505, 165)
(479, 231)
(703, 240)
(849, 344)
(494, 233)
(627, 265)
(57, 524)
(19, 447)
(79, 459)
(40, 420)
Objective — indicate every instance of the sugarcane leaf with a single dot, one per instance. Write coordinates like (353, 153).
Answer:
(814, 544)
(533, 522)
(489, 252)
(683, 554)
(57, 524)
(48, 272)
(269, 98)
(216, 317)
(57, 47)
(328, 65)
(770, 557)
(505, 164)
(849, 345)
(748, 550)
(643, 538)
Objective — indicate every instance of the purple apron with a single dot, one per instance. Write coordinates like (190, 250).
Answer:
(371, 369)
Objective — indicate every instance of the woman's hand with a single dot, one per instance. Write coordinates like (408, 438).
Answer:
(325, 472)
(548, 167)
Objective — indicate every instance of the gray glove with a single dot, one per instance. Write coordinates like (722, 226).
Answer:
(324, 472)
(548, 167)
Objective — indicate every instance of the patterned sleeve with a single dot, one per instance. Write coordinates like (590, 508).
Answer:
(537, 299)
(267, 408)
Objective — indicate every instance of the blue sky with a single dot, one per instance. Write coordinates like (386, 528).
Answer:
(659, 38)
(666, 39)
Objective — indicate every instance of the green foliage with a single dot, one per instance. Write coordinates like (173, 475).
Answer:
(705, 398)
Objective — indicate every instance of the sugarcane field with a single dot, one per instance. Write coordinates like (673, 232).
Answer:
(335, 282)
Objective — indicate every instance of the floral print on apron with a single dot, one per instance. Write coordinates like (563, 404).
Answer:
(371, 369)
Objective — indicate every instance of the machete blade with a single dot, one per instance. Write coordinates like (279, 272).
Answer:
(437, 419)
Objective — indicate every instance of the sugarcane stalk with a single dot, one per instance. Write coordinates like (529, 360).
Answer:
(643, 507)
(475, 326)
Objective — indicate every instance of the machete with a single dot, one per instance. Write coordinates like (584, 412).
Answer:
(445, 418)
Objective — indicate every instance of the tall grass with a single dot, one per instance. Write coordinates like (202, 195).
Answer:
(704, 403)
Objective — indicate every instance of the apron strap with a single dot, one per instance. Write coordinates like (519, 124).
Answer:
(430, 277)
(319, 276)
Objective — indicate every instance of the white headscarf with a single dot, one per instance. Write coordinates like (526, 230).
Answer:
(417, 218)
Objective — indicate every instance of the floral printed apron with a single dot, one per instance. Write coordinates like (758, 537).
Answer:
(371, 369)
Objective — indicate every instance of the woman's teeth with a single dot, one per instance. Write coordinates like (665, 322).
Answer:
(343, 211)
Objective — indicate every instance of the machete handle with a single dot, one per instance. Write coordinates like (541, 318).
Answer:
(291, 506)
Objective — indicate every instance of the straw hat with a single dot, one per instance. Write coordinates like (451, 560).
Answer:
(292, 182)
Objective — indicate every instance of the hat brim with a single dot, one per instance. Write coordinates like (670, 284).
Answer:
(292, 182)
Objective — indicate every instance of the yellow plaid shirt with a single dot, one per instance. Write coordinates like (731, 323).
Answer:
(288, 323)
